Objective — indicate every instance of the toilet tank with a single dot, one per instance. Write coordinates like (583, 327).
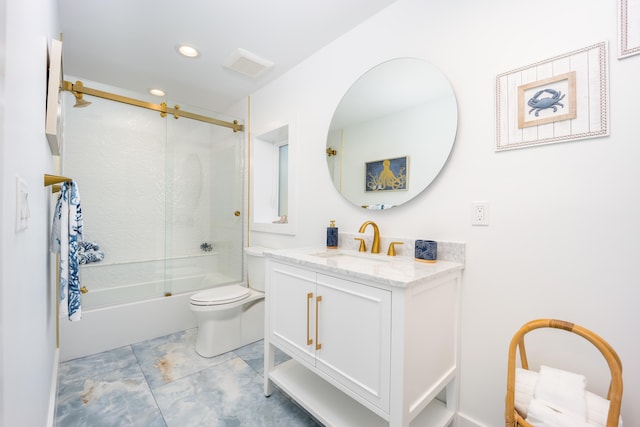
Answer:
(255, 267)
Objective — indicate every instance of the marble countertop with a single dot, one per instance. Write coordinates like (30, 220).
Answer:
(399, 271)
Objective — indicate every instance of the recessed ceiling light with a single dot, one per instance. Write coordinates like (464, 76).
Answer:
(188, 51)
(157, 92)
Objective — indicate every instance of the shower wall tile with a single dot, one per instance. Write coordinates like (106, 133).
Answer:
(116, 153)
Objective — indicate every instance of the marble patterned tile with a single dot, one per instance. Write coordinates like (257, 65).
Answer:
(96, 364)
(172, 357)
(253, 355)
(114, 394)
(226, 395)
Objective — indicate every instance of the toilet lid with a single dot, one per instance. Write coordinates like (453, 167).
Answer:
(221, 295)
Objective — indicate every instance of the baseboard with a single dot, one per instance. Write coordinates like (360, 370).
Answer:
(465, 421)
(53, 393)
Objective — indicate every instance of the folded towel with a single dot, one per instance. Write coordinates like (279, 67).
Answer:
(563, 391)
(542, 415)
(88, 246)
(526, 381)
(86, 257)
(598, 410)
(89, 252)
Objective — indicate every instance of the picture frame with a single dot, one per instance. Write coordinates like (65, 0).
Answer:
(628, 28)
(548, 100)
(53, 122)
(578, 80)
(386, 174)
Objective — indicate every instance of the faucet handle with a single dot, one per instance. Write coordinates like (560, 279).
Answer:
(362, 247)
(392, 248)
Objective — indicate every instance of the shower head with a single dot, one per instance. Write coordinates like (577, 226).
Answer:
(80, 102)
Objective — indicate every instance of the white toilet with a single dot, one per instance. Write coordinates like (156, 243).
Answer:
(231, 316)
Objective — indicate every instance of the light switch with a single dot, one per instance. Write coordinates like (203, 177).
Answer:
(22, 204)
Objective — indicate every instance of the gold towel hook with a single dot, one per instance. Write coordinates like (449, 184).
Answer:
(54, 180)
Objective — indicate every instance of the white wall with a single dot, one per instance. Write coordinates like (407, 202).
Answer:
(563, 240)
(27, 313)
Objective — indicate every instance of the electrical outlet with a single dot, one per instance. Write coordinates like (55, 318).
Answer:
(480, 213)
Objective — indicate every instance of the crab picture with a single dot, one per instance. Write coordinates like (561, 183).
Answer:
(537, 104)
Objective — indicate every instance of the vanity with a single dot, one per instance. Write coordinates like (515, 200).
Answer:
(373, 339)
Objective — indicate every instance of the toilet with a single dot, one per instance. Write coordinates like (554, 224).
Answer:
(231, 316)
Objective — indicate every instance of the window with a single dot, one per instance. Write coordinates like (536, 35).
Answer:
(271, 182)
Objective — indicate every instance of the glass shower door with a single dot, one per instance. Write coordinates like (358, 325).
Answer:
(116, 154)
(203, 209)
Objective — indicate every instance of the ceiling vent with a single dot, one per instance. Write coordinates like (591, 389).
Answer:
(247, 63)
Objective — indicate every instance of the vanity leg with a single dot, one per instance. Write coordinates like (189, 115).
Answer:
(452, 399)
(269, 362)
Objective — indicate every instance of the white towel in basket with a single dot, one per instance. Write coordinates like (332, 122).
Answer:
(563, 391)
(526, 381)
(543, 415)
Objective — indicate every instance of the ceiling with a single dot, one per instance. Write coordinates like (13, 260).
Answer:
(131, 44)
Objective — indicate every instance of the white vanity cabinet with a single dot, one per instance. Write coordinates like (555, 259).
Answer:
(339, 327)
(365, 350)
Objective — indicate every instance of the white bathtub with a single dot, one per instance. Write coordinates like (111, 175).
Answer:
(101, 297)
(108, 326)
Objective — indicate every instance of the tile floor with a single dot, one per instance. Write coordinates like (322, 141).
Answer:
(163, 382)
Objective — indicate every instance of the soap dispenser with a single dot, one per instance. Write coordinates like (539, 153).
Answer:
(332, 235)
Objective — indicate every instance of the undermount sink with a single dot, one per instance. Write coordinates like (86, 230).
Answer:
(354, 257)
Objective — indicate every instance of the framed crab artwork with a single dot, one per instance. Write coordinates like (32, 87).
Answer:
(547, 101)
(560, 99)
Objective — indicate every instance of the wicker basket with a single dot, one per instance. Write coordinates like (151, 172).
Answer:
(515, 419)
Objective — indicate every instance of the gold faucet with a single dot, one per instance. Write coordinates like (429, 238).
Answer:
(375, 248)
(392, 248)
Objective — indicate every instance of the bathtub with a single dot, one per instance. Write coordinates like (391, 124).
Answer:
(106, 325)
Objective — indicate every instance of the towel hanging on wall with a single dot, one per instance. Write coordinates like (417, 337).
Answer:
(65, 234)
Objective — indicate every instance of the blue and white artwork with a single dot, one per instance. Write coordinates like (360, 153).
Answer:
(552, 100)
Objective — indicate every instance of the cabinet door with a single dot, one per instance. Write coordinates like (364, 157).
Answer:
(354, 335)
(291, 301)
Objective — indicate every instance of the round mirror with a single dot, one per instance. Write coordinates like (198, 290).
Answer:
(391, 133)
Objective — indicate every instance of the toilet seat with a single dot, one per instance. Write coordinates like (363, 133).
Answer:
(221, 295)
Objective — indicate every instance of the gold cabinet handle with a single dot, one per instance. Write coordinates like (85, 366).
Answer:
(309, 297)
(318, 345)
